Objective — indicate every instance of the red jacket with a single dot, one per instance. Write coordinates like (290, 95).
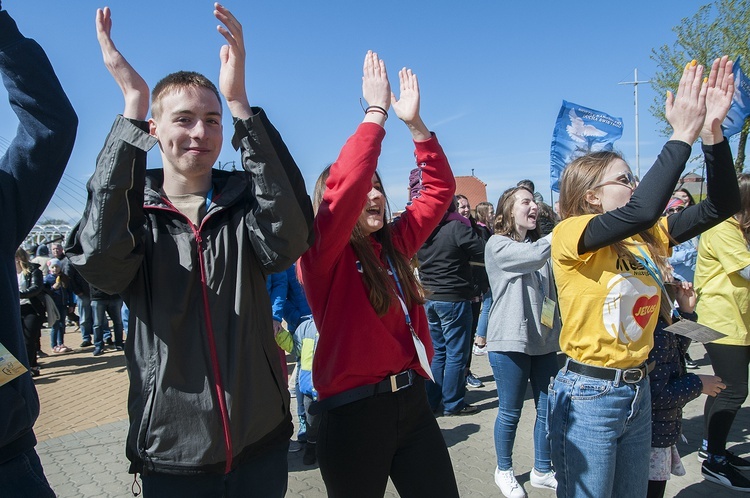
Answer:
(356, 346)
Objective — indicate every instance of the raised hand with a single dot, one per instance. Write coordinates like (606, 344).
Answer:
(718, 100)
(376, 90)
(134, 88)
(686, 111)
(407, 105)
(232, 55)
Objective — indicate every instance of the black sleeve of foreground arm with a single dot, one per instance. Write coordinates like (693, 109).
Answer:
(722, 196)
(645, 206)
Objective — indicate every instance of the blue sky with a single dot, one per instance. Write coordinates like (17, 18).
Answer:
(492, 74)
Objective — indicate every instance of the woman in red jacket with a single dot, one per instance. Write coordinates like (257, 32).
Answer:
(374, 347)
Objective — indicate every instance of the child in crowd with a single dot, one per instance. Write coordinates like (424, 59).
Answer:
(58, 285)
(671, 389)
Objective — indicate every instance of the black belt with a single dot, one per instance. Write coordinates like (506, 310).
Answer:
(390, 384)
(627, 375)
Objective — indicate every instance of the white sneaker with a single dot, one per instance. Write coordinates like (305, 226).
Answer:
(480, 350)
(546, 480)
(508, 485)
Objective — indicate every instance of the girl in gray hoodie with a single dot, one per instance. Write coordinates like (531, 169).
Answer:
(523, 331)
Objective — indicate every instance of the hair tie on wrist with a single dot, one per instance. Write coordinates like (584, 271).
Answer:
(377, 108)
(373, 108)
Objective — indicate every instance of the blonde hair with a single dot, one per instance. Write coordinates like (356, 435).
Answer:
(23, 260)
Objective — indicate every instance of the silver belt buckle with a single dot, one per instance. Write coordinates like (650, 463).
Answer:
(626, 375)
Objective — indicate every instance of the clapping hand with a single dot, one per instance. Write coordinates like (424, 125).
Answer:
(376, 90)
(232, 56)
(686, 111)
(718, 100)
(407, 105)
(134, 88)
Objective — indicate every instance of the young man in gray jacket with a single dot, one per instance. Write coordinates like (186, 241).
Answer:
(189, 248)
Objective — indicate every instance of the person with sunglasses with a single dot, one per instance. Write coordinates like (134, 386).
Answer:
(609, 261)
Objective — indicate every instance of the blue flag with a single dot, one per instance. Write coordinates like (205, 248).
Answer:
(740, 109)
(578, 131)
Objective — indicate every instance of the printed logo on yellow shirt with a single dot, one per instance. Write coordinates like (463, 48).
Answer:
(629, 306)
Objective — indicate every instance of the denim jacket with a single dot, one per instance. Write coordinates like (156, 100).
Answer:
(29, 172)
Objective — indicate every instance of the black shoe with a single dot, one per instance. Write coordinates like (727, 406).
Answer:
(309, 457)
(738, 463)
(41, 354)
(473, 381)
(466, 410)
(119, 348)
(110, 342)
(86, 344)
(690, 363)
(98, 351)
(726, 475)
(34, 371)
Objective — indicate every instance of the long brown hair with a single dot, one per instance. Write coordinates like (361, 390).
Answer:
(375, 276)
(743, 216)
(504, 222)
(581, 176)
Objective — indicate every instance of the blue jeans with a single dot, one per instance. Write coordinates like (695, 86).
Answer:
(450, 328)
(111, 307)
(600, 435)
(512, 372)
(57, 329)
(23, 477)
(85, 317)
(265, 474)
(484, 315)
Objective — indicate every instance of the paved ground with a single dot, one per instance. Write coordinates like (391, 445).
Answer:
(82, 428)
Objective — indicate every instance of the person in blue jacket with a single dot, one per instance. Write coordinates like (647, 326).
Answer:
(30, 170)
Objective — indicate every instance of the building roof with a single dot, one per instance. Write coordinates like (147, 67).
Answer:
(473, 188)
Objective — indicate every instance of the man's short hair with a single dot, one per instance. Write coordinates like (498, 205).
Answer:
(176, 81)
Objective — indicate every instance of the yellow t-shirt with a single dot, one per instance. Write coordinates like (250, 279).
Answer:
(609, 306)
(723, 295)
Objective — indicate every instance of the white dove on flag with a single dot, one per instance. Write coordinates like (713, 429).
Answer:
(582, 133)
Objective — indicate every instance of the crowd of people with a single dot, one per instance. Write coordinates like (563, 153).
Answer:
(217, 274)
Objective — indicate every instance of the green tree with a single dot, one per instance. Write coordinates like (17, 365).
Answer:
(719, 28)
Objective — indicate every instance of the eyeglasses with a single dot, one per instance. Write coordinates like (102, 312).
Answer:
(626, 179)
(675, 209)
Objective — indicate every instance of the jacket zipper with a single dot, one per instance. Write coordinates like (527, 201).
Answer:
(218, 385)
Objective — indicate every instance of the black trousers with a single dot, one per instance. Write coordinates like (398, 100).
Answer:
(31, 324)
(394, 434)
(731, 364)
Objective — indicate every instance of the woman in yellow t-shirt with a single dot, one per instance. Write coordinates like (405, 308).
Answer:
(608, 256)
(722, 280)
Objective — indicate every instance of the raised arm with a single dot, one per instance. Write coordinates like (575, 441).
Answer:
(722, 192)
(407, 106)
(686, 112)
(134, 88)
(35, 159)
(232, 56)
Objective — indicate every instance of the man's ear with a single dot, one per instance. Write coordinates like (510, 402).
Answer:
(592, 198)
(152, 128)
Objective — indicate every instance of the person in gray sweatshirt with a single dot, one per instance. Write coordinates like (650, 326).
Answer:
(523, 331)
